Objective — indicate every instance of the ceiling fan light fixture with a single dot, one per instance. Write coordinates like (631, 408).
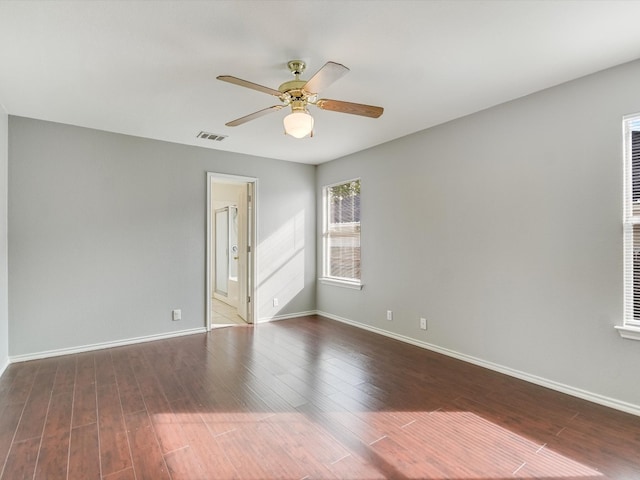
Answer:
(298, 124)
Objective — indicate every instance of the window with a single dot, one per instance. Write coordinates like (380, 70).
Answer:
(341, 234)
(631, 228)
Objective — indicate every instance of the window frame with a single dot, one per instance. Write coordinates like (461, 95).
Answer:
(631, 325)
(326, 278)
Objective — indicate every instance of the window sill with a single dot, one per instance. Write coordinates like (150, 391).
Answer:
(341, 283)
(631, 333)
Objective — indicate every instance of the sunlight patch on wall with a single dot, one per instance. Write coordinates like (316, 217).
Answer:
(281, 266)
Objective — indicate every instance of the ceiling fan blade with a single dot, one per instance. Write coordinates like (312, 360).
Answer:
(348, 107)
(329, 73)
(251, 85)
(253, 116)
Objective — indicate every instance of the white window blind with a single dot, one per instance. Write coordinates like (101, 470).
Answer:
(632, 221)
(342, 231)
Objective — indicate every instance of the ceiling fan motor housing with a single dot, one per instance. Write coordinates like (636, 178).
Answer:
(293, 87)
(293, 90)
(299, 106)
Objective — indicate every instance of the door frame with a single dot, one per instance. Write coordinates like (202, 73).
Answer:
(252, 261)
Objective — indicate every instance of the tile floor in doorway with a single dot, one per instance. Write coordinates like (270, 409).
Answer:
(223, 315)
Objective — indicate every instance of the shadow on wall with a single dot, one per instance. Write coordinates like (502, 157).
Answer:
(281, 267)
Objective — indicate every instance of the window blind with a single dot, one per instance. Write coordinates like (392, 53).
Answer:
(635, 166)
(342, 235)
(631, 226)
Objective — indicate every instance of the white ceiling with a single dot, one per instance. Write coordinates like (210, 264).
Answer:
(148, 68)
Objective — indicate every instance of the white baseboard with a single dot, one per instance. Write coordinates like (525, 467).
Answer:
(560, 387)
(4, 367)
(287, 316)
(100, 346)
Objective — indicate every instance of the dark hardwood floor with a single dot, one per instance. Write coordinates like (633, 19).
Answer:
(297, 399)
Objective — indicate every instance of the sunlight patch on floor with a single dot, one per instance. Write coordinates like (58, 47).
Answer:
(415, 445)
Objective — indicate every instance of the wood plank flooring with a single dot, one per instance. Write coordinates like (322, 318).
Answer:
(306, 398)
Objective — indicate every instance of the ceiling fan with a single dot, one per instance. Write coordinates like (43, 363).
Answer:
(299, 94)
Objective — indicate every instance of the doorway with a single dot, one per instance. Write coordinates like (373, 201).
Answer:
(230, 250)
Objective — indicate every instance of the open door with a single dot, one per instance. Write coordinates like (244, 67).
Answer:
(245, 254)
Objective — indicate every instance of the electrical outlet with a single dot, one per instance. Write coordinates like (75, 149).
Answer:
(423, 323)
(389, 315)
(176, 315)
(275, 302)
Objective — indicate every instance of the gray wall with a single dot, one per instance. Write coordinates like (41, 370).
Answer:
(4, 319)
(503, 228)
(107, 233)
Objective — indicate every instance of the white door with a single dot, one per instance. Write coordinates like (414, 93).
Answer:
(245, 254)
